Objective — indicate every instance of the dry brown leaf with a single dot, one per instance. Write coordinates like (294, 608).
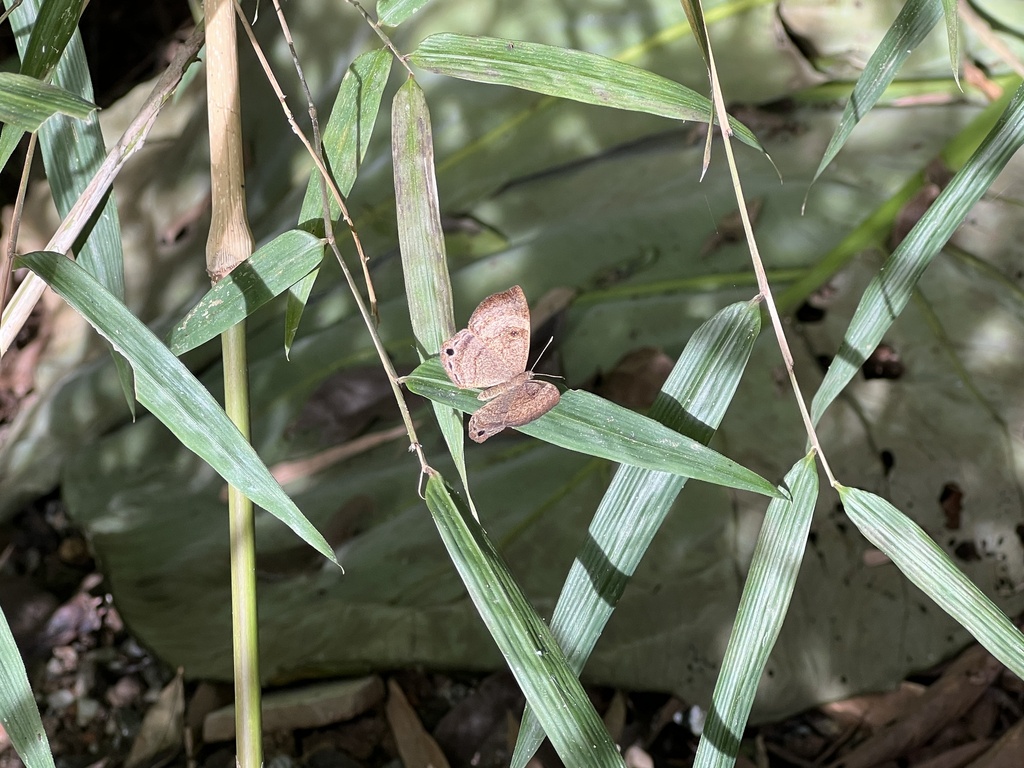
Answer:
(416, 747)
(615, 717)
(945, 701)
(875, 710)
(1006, 752)
(636, 379)
(162, 726)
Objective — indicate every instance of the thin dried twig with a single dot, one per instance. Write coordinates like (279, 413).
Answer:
(7, 258)
(984, 31)
(313, 152)
(368, 314)
(375, 26)
(762, 277)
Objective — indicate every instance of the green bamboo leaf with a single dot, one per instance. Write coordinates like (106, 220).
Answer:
(912, 25)
(266, 274)
(172, 394)
(766, 594)
(695, 17)
(52, 31)
(298, 295)
(391, 13)
(533, 656)
(345, 140)
(567, 74)
(420, 237)
(953, 35)
(925, 563)
(889, 292)
(10, 137)
(26, 103)
(19, 713)
(349, 128)
(428, 286)
(73, 151)
(874, 229)
(588, 424)
(705, 378)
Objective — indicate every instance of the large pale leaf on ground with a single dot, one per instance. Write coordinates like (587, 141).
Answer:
(889, 292)
(627, 230)
(876, 225)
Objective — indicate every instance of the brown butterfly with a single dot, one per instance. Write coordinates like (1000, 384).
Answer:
(492, 352)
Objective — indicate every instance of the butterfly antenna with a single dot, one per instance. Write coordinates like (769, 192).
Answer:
(546, 375)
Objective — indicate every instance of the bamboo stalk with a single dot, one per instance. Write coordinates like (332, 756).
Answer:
(231, 242)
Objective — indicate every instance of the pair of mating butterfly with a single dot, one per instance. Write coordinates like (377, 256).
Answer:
(492, 352)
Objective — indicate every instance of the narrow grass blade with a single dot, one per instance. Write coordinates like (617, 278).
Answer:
(693, 401)
(588, 424)
(923, 562)
(26, 103)
(344, 140)
(266, 274)
(914, 22)
(19, 714)
(533, 656)
(888, 293)
(172, 394)
(763, 605)
(567, 74)
(428, 286)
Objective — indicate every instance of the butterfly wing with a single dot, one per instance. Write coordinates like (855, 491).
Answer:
(520, 406)
(469, 362)
(495, 345)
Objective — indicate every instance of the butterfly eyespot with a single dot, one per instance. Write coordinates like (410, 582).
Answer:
(449, 351)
